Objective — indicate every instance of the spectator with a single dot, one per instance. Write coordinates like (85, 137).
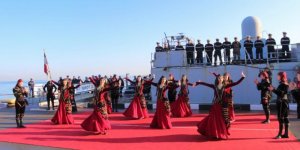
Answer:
(31, 87)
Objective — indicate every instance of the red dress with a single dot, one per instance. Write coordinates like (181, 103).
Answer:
(138, 107)
(63, 114)
(216, 124)
(181, 107)
(98, 120)
(96, 81)
(108, 102)
(161, 119)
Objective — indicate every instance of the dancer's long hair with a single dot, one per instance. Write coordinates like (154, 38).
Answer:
(160, 80)
(217, 80)
(228, 81)
(142, 80)
(186, 80)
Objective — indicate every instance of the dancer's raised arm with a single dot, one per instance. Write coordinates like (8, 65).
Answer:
(205, 84)
(129, 80)
(236, 83)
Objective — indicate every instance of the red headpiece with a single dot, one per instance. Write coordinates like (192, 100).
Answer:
(20, 80)
(265, 74)
(283, 76)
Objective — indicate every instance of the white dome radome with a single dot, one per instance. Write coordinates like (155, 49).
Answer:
(251, 26)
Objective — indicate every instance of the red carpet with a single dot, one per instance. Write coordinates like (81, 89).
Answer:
(246, 133)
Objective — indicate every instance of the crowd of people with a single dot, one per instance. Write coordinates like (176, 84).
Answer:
(170, 104)
(214, 50)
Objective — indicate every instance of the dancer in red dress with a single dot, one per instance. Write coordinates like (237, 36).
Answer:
(161, 119)
(217, 123)
(229, 96)
(181, 107)
(96, 80)
(98, 121)
(138, 107)
(63, 114)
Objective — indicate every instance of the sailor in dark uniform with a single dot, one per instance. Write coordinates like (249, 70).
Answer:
(51, 89)
(209, 48)
(166, 47)
(259, 45)
(227, 47)
(158, 48)
(179, 47)
(190, 50)
(20, 93)
(248, 44)
(236, 46)
(218, 47)
(285, 42)
(199, 50)
(270, 42)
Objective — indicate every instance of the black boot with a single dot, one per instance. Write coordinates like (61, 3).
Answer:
(286, 132)
(18, 123)
(267, 113)
(21, 124)
(280, 131)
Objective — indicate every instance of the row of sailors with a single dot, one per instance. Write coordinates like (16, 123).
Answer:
(227, 46)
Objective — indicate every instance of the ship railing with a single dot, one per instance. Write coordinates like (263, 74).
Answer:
(293, 55)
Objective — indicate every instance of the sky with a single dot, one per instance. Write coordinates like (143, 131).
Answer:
(87, 37)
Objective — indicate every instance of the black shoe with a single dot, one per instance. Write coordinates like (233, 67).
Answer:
(266, 122)
(278, 137)
(285, 136)
(18, 123)
(286, 132)
(21, 124)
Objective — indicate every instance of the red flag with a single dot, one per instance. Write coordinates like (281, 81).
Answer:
(46, 67)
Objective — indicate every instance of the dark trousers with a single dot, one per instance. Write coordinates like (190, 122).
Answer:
(31, 90)
(209, 57)
(218, 54)
(227, 56)
(121, 91)
(199, 57)
(259, 54)
(285, 49)
(190, 57)
(249, 53)
(20, 109)
(115, 100)
(266, 108)
(271, 53)
(282, 116)
(282, 111)
(50, 97)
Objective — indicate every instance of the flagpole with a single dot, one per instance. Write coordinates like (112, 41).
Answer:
(49, 73)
